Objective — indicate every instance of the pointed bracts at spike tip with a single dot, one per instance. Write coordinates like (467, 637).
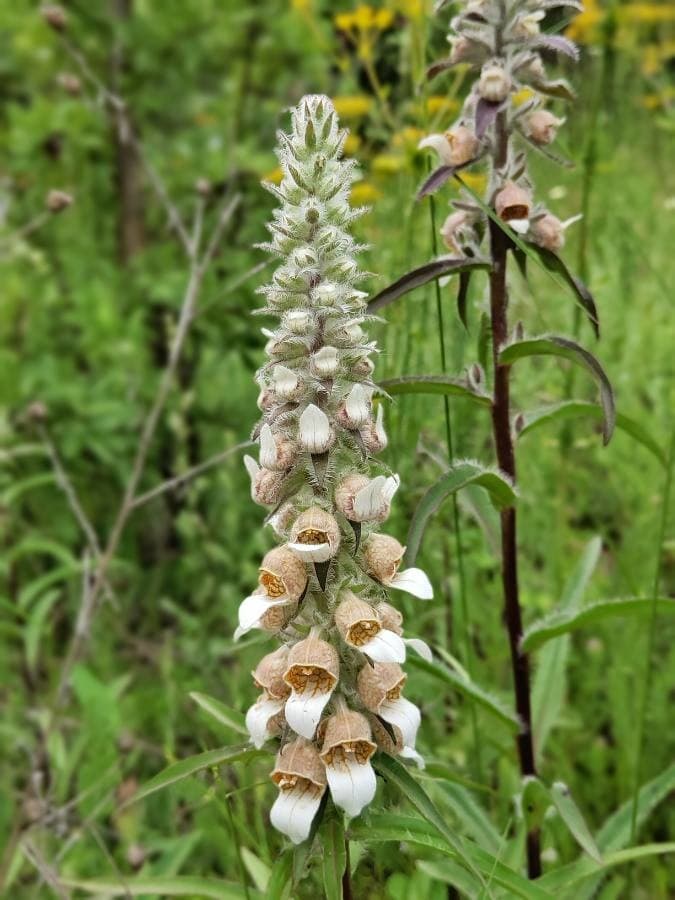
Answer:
(512, 93)
(321, 591)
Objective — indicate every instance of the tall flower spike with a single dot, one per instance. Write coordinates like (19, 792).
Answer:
(318, 415)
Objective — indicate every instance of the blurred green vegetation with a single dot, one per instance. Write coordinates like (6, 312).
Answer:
(88, 308)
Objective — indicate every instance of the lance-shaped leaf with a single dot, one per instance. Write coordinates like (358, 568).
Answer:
(230, 718)
(497, 484)
(445, 265)
(486, 113)
(435, 384)
(571, 815)
(332, 835)
(555, 345)
(162, 886)
(563, 883)
(442, 174)
(468, 689)
(555, 264)
(184, 768)
(563, 621)
(568, 409)
(441, 65)
(559, 89)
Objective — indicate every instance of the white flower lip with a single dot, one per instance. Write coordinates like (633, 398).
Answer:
(293, 811)
(268, 448)
(303, 711)
(357, 405)
(420, 647)
(312, 552)
(352, 784)
(439, 143)
(373, 501)
(315, 433)
(413, 581)
(385, 646)
(258, 717)
(520, 226)
(325, 361)
(253, 608)
(404, 715)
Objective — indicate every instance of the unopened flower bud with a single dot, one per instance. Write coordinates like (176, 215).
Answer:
(355, 410)
(548, 231)
(299, 321)
(527, 25)
(70, 83)
(266, 399)
(494, 83)
(282, 574)
(269, 673)
(373, 434)
(276, 452)
(265, 485)
(363, 368)
(286, 383)
(315, 535)
(325, 362)
(54, 16)
(455, 147)
(315, 431)
(57, 201)
(456, 230)
(541, 126)
(513, 205)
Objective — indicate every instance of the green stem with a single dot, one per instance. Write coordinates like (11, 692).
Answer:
(347, 875)
(235, 839)
(651, 634)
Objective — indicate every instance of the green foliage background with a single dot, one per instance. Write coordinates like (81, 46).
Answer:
(84, 329)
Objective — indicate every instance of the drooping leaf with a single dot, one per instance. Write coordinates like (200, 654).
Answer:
(172, 886)
(435, 384)
(555, 345)
(468, 689)
(184, 768)
(231, 718)
(499, 487)
(554, 263)
(567, 409)
(548, 688)
(332, 836)
(563, 621)
(559, 89)
(445, 265)
(435, 180)
(441, 65)
(571, 815)
(486, 113)
(556, 43)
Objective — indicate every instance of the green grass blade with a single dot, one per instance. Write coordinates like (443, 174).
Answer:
(498, 486)
(468, 689)
(571, 815)
(569, 876)
(172, 886)
(562, 622)
(231, 718)
(332, 836)
(548, 688)
(279, 885)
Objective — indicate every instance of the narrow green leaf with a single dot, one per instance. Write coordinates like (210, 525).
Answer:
(332, 835)
(563, 621)
(435, 384)
(36, 587)
(396, 773)
(446, 871)
(184, 768)
(35, 624)
(555, 264)
(548, 690)
(499, 487)
(231, 718)
(279, 885)
(256, 868)
(412, 830)
(444, 265)
(173, 886)
(568, 409)
(468, 689)
(473, 818)
(570, 875)
(571, 815)
(555, 345)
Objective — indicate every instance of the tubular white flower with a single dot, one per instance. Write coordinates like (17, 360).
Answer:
(382, 557)
(259, 716)
(361, 627)
(373, 502)
(357, 406)
(299, 321)
(346, 752)
(300, 776)
(275, 454)
(380, 689)
(315, 431)
(312, 673)
(325, 362)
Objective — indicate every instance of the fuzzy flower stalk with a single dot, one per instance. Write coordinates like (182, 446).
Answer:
(331, 693)
(506, 114)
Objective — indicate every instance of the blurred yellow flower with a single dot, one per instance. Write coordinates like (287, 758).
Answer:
(411, 9)
(584, 27)
(408, 138)
(440, 104)
(660, 99)
(655, 56)
(301, 6)
(387, 163)
(352, 144)
(362, 27)
(522, 96)
(364, 192)
(647, 13)
(474, 180)
(352, 106)
(274, 176)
